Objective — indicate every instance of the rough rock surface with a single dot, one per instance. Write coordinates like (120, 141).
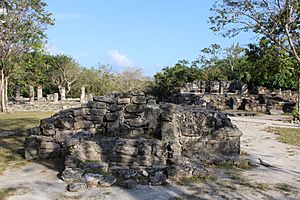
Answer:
(128, 136)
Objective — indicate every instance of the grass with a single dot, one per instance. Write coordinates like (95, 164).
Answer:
(11, 146)
(20, 121)
(286, 135)
(191, 180)
(6, 192)
(284, 187)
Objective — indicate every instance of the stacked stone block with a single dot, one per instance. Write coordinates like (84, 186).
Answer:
(131, 132)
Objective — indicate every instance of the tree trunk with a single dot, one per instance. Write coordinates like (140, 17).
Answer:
(298, 99)
(6, 89)
(2, 93)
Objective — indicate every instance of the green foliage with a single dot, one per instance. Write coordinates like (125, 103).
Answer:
(22, 30)
(33, 70)
(63, 71)
(270, 67)
(277, 21)
(296, 113)
(171, 79)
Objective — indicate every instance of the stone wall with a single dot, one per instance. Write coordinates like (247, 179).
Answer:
(126, 132)
(253, 103)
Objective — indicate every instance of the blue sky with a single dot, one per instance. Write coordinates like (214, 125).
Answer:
(148, 34)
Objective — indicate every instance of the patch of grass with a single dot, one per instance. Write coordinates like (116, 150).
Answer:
(284, 187)
(11, 146)
(263, 186)
(286, 135)
(20, 121)
(11, 152)
(6, 192)
(191, 180)
(244, 153)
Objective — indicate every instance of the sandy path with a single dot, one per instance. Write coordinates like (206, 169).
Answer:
(37, 182)
(261, 144)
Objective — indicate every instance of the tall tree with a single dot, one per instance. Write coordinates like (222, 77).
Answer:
(22, 29)
(277, 21)
(64, 71)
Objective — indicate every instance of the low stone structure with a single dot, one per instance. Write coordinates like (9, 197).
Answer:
(215, 87)
(132, 138)
(253, 103)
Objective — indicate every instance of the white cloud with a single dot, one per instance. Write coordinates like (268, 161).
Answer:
(119, 59)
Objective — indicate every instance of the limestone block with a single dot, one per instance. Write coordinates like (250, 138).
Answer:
(31, 146)
(111, 117)
(138, 122)
(127, 150)
(135, 108)
(124, 101)
(97, 105)
(72, 174)
(97, 112)
(49, 145)
(169, 131)
(114, 107)
(104, 99)
(66, 123)
(79, 112)
(107, 181)
(158, 178)
(76, 187)
(63, 135)
(139, 100)
(83, 125)
(48, 132)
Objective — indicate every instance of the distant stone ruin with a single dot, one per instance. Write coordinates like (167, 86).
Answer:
(234, 96)
(129, 138)
(38, 101)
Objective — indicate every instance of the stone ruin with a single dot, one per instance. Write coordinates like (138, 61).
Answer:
(234, 96)
(129, 138)
(38, 101)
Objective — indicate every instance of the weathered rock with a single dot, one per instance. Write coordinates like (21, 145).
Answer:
(63, 135)
(83, 125)
(124, 101)
(107, 181)
(145, 173)
(110, 117)
(124, 136)
(96, 105)
(114, 107)
(139, 100)
(134, 108)
(31, 146)
(72, 174)
(104, 99)
(129, 184)
(92, 179)
(76, 187)
(158, 178)
(49, 132)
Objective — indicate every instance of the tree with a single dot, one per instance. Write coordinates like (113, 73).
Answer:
(171, 79)
(270, 67)
(33, 70)
(64, 71)
(234, 60)
(277, 21)
(131, 79)
(22, 29)
(97, 80)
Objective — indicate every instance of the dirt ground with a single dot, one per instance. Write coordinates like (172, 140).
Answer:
(36, 181)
